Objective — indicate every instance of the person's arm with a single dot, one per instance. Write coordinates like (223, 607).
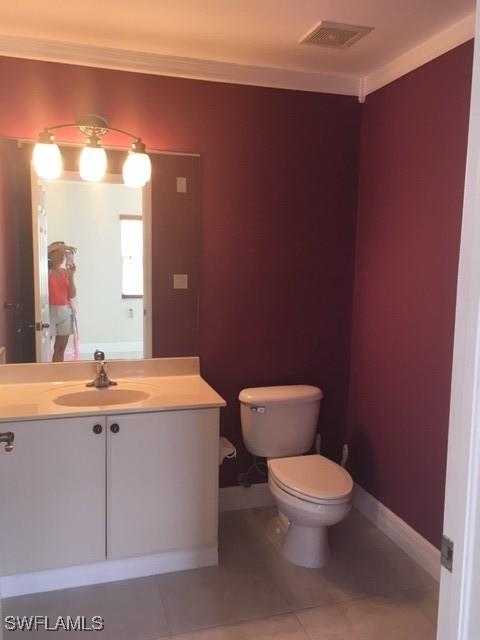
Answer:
(72, 289)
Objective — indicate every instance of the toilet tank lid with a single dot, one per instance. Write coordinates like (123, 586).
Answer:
(281, 394)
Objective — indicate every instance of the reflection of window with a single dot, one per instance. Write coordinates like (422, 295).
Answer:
(131, 238)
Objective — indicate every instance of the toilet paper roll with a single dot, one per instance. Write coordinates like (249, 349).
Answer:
(225, 450)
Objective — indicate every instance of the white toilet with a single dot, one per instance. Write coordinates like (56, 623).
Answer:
(312, 492)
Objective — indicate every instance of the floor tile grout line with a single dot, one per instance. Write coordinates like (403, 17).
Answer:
(420, 609)
(232, 624)
(164, 610)
(303, 627)
(381, 594)
(267, 565)
(366, 596)
(262, 563)
(336, 604)
(235, 624)
(280, 586)
(276, 580)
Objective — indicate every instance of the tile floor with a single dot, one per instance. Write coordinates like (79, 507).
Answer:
(369, 591)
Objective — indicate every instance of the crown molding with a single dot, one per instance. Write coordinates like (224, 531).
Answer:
(440, 43)
(157, 64)
(232, 73)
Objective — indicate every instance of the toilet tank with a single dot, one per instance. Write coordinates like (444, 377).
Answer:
(279, 421)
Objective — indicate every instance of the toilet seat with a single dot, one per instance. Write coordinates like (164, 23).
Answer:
(312, 478)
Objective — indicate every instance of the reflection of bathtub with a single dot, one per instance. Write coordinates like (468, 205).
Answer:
(3, 355)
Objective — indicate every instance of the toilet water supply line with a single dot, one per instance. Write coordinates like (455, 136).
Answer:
(343, 462)
(225, 450)
(344, 459)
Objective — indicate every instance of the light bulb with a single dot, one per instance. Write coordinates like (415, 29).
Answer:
(93, 163)
(47, 160)
(137, 169)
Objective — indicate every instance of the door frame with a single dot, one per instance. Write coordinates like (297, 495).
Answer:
(459, 613)
(41, 322)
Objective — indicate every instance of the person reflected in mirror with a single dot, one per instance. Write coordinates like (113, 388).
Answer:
(61, 291)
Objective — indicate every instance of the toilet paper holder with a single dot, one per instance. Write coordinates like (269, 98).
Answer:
(226, 449)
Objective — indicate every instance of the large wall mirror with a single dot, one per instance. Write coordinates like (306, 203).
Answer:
(133, 253)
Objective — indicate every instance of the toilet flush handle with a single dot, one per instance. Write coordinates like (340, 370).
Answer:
(258, 409)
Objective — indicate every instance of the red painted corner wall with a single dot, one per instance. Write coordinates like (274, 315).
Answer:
(411, 179)
(278, 194)
(279, 217)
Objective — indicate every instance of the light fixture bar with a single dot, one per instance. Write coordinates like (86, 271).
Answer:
(93, 125)
(137, 167)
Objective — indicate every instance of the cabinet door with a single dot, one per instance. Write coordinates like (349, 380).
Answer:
(162, 482)
(52, 495)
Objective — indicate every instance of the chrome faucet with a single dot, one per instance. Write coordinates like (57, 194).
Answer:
(101, 380)
(8, 437)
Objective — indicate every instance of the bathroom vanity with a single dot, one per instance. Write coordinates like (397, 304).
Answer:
(106, 484)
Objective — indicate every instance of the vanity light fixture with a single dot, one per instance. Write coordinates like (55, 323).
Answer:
(47, 159)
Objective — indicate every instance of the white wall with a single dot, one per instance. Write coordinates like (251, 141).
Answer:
(87, 217)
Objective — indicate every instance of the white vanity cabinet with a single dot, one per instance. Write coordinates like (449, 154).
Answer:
(162, 482)
(92, 489)
(52, 494)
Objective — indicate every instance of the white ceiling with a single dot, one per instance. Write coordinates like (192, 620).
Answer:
(260, 35)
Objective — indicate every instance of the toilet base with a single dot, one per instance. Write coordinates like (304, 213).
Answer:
(306, 546)
(306, 542)
(276, 532)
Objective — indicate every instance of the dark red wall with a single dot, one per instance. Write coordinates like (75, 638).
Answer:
(176, 233)
(411, 179)
(279, 187)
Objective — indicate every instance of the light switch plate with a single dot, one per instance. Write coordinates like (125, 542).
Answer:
(181, 185)
(180, 280)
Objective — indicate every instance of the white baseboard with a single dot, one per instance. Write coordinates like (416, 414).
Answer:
(409, 540)
(233, 498)
(230, 499)
(108, 571)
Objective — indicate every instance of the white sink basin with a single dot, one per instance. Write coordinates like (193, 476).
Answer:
(100, 397)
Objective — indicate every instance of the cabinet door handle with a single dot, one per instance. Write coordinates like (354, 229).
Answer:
(114, 428)
(97, 429)
(8, 437)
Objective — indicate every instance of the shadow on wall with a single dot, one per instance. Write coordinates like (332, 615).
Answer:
(361, 459)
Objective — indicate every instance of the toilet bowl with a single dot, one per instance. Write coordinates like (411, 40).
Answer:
(313, 493)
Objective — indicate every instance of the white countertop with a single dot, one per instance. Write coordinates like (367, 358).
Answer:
(23, 397)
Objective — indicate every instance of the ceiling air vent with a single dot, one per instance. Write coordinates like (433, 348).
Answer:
(335, 35)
